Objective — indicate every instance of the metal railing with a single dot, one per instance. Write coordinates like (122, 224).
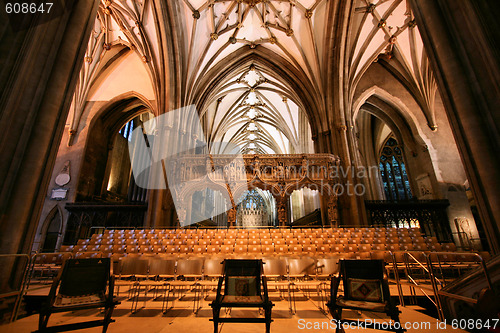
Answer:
(18, 293)
(439, 292)
(428, 268)
(410, 262)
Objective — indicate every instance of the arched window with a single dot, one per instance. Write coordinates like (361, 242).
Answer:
(393, 172)
(257, 208)
(121, 184)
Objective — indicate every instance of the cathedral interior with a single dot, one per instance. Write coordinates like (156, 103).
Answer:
(152, 130)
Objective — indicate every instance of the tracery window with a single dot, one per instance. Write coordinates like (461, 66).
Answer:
(393, 172)
(253, 200)
(255, 209)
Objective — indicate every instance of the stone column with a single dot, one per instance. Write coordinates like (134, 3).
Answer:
(460, 38)
(38, 76)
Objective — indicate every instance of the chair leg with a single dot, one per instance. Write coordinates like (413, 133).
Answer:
(43, 319)
(338, 317)
(290, 299)
(197, 298)
(134, 296)
(216, 314)
(166, 294)
(108, 311)
(268, 318)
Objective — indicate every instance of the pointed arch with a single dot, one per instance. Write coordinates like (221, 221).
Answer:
(103, 130)
(51, 230)
(295, 83)
(389, 111)
(395, 113)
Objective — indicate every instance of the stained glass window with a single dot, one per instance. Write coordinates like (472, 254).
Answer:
(126, 130)
(393, 172)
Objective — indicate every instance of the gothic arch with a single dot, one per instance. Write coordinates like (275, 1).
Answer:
(403, 125)
(47, 225)
(390, 107)
(256, 183)
(102, 131)
(295, 83)
(193, 187)
(129, 100)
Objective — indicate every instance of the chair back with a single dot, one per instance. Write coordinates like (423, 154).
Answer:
(274, 267)
(189, 267)
(134, 266)
(362, 280)
(83, 281)
(300, 267)
(327, 266)
(242, 277)
(162, 268)
(213, 267)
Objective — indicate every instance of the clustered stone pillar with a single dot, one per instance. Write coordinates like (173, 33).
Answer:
(39, 72)
(467, 70)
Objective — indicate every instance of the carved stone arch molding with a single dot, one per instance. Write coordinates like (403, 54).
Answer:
(103, 128)
(130, 99)
(393, 119)
(256, 183)
(392, 112)
(392, 106)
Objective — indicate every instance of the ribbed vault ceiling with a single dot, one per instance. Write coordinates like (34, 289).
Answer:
(385, 31)
(207, 34)
(254, 112)
(293, 29)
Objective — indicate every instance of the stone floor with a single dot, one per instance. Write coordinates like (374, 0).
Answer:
(180, 318)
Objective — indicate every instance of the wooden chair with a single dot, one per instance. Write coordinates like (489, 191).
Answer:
(365, 288)
(81, 284)
(276, 273)
(244, 286)
(188, 273)
(301, 276)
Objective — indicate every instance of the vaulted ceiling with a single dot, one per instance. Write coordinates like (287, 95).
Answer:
(291, 29)
(254, 111)
(386, 31)
(302, 38)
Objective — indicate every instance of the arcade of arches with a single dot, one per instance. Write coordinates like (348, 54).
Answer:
(337, 109)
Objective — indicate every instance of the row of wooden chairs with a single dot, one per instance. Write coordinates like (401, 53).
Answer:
(258, 241)
(164, 275)
(281, 248)
(182, 237)
(261, 230)
(288, 272)
(245, 233)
